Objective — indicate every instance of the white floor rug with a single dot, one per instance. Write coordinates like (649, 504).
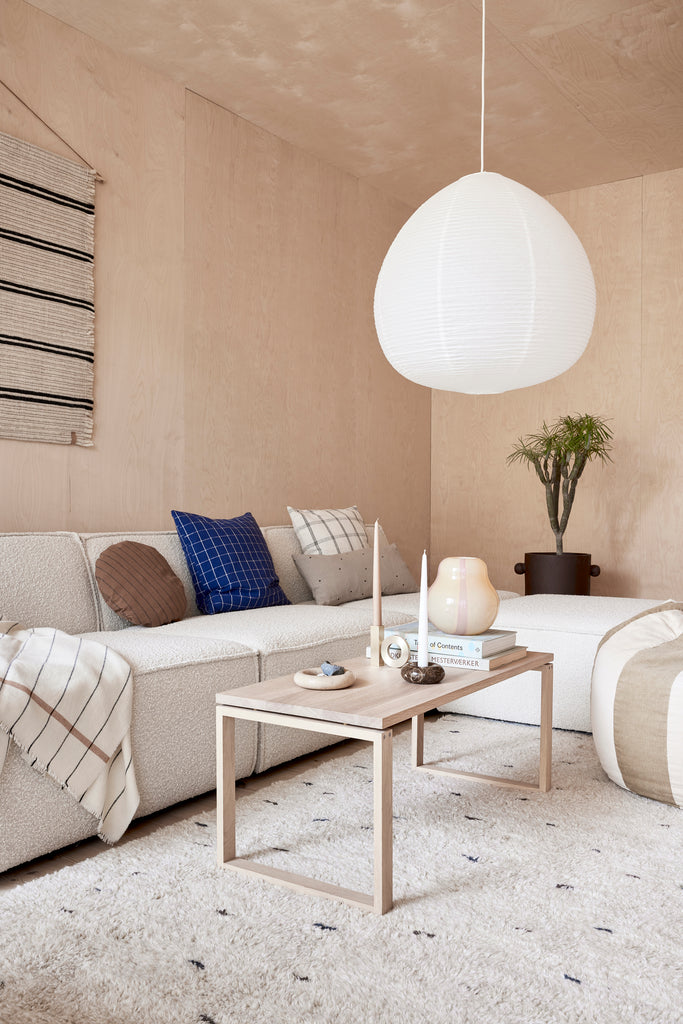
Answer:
(511, 907)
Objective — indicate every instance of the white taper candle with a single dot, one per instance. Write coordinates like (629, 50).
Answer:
(423, 620)
(376, 582)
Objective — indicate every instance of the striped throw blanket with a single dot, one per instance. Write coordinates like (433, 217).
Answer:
(67, 703)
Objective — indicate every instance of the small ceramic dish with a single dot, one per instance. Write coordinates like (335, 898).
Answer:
(314, 679)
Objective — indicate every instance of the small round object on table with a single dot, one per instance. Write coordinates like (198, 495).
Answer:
(314, 679)
(398, 642)
(431, 674)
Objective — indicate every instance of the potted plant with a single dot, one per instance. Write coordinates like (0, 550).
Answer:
(559, 453)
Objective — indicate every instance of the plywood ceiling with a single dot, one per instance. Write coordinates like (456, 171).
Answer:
(578, 91)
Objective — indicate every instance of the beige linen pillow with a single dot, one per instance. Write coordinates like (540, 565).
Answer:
(329, 531)
(336, 579)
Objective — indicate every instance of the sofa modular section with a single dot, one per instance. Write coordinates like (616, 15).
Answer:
(285, 638)
(570, 628)
(172, 736)
(49, 580)
(292, 637)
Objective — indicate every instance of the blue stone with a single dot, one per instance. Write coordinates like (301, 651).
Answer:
(332, 670)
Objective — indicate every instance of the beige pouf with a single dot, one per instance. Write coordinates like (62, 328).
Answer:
(637, 704)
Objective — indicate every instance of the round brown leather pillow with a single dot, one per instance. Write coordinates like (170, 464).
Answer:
(137, 582)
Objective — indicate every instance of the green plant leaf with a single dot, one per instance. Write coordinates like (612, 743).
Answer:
(561, 451)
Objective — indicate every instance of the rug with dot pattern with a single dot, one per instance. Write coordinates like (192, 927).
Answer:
(511, 907)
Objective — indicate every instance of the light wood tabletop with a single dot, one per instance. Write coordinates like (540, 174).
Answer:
(378, 699)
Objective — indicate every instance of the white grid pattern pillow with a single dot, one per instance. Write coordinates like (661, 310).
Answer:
(328, 531)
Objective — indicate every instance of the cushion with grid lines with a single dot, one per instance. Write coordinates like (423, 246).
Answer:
(229, 562)
(328, 531)
(137, 582)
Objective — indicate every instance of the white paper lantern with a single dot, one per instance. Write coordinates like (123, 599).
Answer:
(486, 288)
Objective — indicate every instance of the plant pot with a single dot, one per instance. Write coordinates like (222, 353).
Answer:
(547, 573)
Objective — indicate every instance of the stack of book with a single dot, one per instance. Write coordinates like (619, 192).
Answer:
(485, 651)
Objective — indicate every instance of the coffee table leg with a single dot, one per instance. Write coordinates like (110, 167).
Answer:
(382, 777)
(225, 787)
(545, 766)
(545, 759)
(380, 900)
(417, 740)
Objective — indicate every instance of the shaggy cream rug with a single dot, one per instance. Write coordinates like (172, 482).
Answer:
(511, 907)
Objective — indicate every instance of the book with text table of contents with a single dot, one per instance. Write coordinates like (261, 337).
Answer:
(481, 645)
(462, 661)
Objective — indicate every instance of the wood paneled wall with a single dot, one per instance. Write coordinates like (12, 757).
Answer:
(128, 123)
(626, 513)
(661, 441)
(237, 367)
(289, 399)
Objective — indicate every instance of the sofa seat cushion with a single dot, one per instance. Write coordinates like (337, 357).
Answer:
(289, 638)
(176, 679)
(147, 648)
(569, 614)
(298, 635)
(570, 628)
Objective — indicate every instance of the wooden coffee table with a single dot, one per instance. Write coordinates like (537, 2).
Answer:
(368, 710)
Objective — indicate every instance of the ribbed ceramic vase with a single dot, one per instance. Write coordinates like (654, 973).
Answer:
(461, 599)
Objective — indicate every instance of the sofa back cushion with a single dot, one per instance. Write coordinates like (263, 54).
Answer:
(44, 581)
(166, 542)
(282, 544)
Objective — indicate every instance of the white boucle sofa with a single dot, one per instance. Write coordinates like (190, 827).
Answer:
(47, 579)
(571, 629)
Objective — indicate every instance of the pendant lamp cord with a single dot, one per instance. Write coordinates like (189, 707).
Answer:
(483, 59)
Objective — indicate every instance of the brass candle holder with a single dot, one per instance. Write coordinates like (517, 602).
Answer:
(376, 640)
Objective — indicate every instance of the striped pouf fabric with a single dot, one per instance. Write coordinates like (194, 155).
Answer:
(637, 704)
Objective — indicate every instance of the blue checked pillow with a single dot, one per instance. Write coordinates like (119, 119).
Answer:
(229, 562)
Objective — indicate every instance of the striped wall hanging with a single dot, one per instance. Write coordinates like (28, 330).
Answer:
(47, 307)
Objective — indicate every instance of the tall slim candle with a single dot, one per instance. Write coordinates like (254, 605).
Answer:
(423, 620)
(376, 582)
